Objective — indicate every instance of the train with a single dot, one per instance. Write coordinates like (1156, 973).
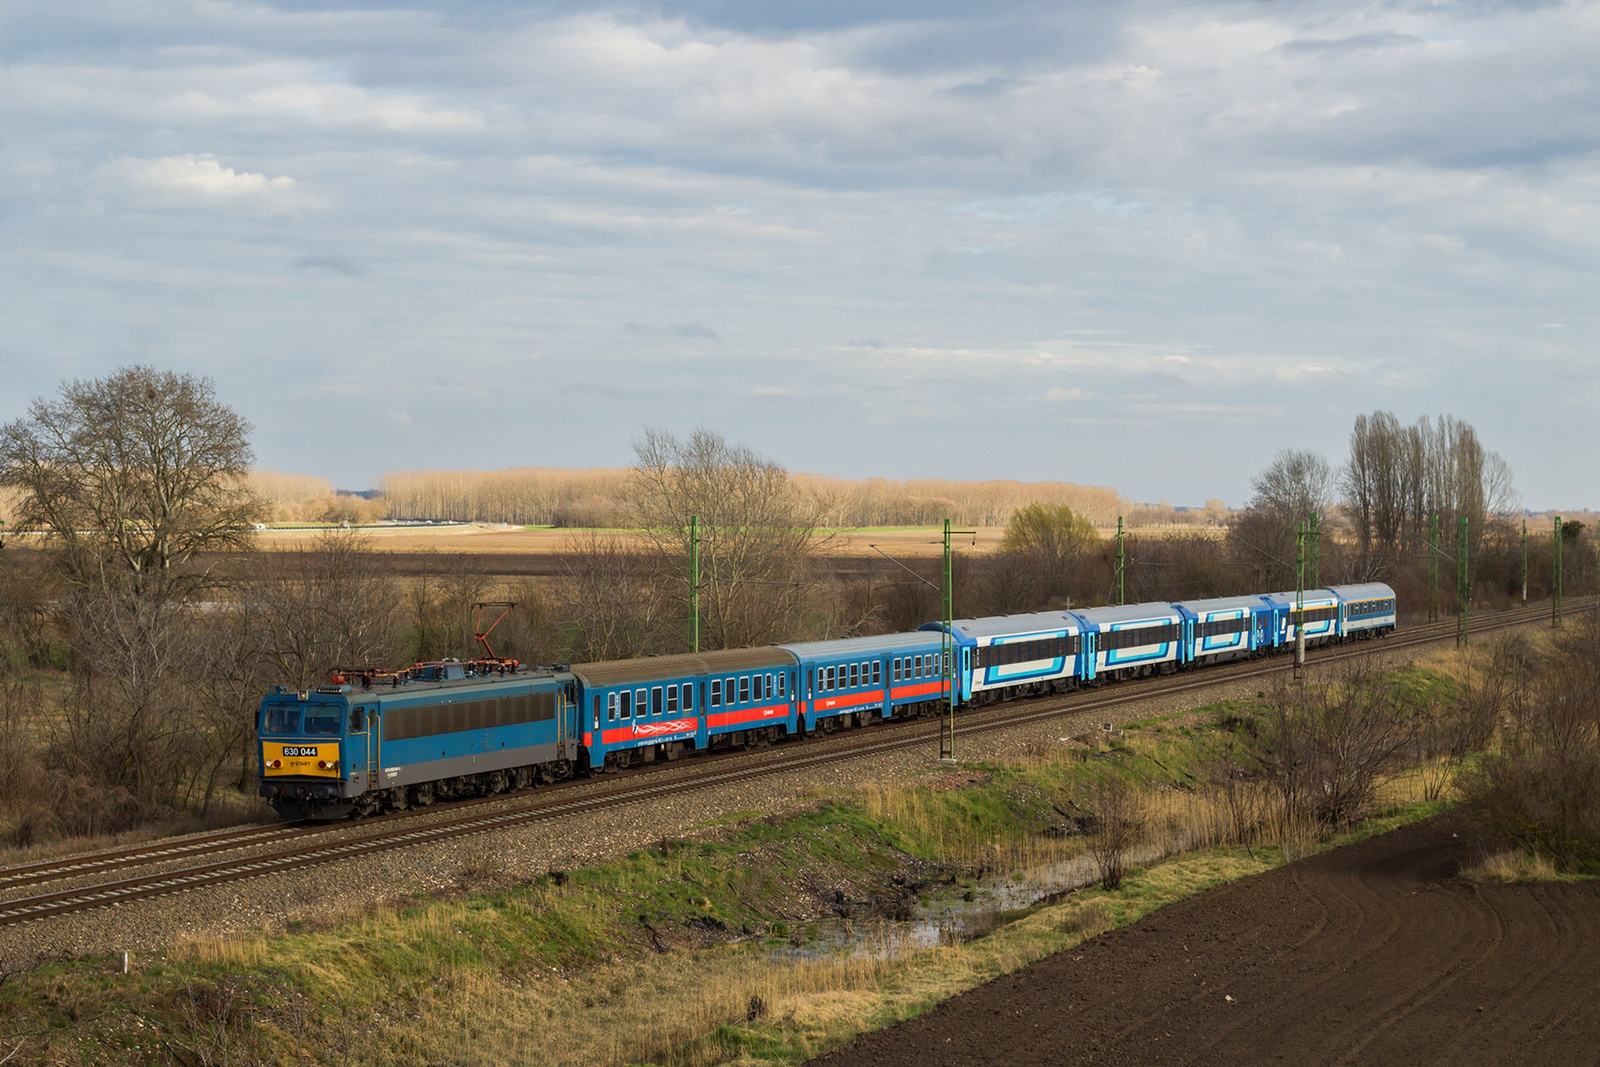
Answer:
(371, 741)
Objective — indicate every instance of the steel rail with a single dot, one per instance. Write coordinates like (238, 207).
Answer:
(636, 789)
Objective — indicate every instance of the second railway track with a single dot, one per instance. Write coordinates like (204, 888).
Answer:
(409, 829)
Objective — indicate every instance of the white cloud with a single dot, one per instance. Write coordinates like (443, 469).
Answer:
(201, 174)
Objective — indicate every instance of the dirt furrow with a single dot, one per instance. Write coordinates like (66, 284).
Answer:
(1374, 953)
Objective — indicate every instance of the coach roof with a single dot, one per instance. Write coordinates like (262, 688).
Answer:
(854, 646)
(684, 665)
(1013, 625)
(1151, 612)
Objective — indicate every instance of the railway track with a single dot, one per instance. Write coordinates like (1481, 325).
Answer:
(443, 822)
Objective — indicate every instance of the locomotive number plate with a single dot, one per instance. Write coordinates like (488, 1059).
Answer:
(317, 761)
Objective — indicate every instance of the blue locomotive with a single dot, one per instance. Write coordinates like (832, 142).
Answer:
(372, 741)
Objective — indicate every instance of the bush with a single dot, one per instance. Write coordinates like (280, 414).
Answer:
(1540, 793)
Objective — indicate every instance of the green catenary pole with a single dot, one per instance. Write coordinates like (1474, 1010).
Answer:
(1555, 583)
(1299, 615)
(1121, 563)
(947, 740)
(1524, 561)
(694, 583)
(1316, 552)
(1433, 567)
(1463, 582)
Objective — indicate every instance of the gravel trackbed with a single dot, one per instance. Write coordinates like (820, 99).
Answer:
(1373, 953)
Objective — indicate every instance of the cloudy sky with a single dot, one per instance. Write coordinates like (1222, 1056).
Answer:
(1143, 245)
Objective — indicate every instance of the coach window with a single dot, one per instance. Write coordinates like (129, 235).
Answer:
(716, 692)
(831, 682)
(877, 672)
(672, 700)
(894, 669)
(783, 684)
(656, 705)
(688, 696)
(627, 703)
(855, 675)
(744, 689)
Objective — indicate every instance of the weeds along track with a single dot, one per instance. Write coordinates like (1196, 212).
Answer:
(459, 819)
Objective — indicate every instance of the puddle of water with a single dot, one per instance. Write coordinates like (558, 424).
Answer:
(950, 917)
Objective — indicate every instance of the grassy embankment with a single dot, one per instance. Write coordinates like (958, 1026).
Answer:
(694, 952)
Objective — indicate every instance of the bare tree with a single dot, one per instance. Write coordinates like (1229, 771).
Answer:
(1122, 821)
(1326, 748)
(1261, 536)
(321, 605)
(611, 596)
(1398, 476)
(757, 532)
(139, 470)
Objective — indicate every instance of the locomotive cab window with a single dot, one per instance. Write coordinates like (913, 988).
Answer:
(323, 721)
(358, 720)
(282, 719)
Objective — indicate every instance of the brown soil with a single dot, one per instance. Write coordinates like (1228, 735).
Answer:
(1374, 953)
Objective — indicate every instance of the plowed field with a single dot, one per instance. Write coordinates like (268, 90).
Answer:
(1377, 953)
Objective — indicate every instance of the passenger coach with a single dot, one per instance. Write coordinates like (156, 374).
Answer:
(1004, 656)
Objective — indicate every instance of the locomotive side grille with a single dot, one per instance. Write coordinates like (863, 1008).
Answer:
(403, 723)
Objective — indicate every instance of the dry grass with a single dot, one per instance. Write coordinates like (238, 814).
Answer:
(1514, 865)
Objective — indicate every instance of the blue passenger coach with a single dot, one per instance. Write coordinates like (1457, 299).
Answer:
(1321, 616)
(1365, 610)
(1225, 628)
(857, 680)
(638, 710)
(1015, 655)
(1133, 639)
